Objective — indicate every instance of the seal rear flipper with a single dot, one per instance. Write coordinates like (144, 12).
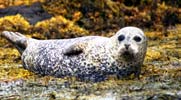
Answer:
(17, 39)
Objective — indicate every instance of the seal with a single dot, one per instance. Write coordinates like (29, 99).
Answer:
(87, 58)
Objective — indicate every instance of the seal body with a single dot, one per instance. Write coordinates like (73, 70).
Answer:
(88, 58)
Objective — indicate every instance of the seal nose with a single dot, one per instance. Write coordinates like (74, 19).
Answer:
(126, 46)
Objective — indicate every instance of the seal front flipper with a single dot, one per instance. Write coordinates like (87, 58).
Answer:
(74, 49)
(17, 39)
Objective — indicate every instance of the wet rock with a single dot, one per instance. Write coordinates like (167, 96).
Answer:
(33, 13)
(52, 95)
(163, 97)
(136, 87)
(179, 93)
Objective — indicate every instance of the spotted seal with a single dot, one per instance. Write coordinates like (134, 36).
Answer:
(88, 58)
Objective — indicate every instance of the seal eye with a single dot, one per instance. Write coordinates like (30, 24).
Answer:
(121, 37)
(137, 38)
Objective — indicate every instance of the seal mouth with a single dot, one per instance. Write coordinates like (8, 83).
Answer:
(127, 55)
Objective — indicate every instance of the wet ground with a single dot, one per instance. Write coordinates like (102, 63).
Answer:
(160, 77)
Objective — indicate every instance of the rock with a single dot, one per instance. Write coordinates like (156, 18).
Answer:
(163, 97)
(33, 13)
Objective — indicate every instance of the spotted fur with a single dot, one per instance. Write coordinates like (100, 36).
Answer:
(88, 58)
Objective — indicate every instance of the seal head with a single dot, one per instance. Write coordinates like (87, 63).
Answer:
(130, 42)
(131, 45)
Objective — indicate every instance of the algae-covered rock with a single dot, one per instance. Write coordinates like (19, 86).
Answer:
(32, 13)
(14, 23)
(101, 16)
(152, 54)
(56, 27)
(8, 3)
(59, 27)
